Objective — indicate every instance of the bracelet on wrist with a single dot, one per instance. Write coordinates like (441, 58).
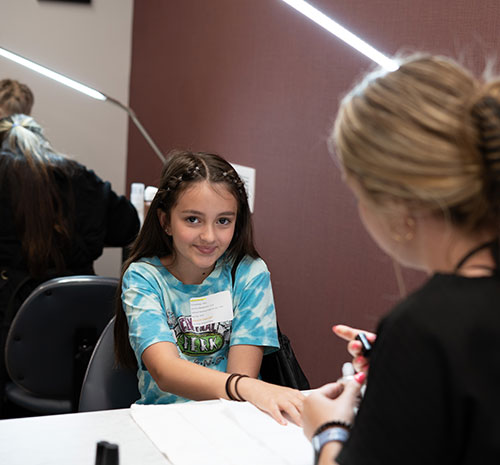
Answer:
(331, 434)
(234, 394)
(228, 382)
(238, 395)
(331, 424)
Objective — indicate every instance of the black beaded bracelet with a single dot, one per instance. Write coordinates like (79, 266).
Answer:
(240, 398)
(331, 424)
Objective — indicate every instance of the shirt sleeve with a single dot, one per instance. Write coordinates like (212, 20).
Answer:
(110, 214)
(143, 306)
(401, 417)
(254, 321)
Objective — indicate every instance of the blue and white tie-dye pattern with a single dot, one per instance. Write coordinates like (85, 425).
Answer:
(157, 309)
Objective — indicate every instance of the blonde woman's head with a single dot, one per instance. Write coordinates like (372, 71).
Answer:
(426, 135)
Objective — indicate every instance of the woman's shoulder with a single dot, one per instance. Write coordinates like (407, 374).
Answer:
(450, 293)
(82, 174)
(447, 305)
(59, 162)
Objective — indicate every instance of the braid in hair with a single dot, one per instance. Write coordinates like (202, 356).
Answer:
(174, 182)
(486, 114)
(232, 177)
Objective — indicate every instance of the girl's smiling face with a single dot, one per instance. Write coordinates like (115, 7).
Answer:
(201, 226)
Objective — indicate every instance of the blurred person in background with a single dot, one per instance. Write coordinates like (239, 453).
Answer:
(56, 216)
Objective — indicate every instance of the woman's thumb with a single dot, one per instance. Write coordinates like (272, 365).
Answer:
(352, 388)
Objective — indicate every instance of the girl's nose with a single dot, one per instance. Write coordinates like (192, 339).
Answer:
(208, 233)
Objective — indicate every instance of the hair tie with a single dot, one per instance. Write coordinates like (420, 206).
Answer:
(228, 389)
(238, 395)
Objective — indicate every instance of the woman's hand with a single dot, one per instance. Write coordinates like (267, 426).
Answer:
(354, 346)
(275, 400)
(332, 402)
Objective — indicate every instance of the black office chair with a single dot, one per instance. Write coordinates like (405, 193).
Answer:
(107, 386)
(51, 339)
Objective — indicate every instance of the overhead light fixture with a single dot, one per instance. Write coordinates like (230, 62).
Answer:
(343, 34)
(84, 90)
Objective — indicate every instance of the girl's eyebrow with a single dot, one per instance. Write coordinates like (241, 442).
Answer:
(196, 212)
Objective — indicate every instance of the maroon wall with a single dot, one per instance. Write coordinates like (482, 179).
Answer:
(258, 83)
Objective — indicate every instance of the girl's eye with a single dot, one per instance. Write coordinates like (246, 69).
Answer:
(192, 219)
(224, 221)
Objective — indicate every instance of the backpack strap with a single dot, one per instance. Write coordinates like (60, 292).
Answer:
(233, 274)
(234, 268)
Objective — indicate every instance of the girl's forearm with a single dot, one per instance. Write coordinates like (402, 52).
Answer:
(181, 377)
(189, 380)
(245, 359)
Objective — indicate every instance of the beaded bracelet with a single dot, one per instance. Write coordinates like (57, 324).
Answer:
(331, 424)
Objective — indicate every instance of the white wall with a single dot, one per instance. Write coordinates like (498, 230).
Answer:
(91, 44)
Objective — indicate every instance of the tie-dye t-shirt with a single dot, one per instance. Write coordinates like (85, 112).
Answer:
(157, 306)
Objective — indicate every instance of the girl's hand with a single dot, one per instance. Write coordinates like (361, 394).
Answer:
(354, 346)
(332, 402)
(275, 400)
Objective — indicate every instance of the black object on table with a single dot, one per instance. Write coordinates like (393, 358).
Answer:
(106, 454)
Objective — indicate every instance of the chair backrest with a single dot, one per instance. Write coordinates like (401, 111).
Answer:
(54, 332)
(107, 386)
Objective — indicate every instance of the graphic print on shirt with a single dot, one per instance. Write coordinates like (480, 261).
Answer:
(196, 341)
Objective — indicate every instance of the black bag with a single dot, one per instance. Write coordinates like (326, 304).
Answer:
(281, 367)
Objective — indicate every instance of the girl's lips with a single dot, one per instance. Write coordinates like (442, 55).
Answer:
(206, 250)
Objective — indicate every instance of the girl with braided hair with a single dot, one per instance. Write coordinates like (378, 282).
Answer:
(420, 149)
(197, 311)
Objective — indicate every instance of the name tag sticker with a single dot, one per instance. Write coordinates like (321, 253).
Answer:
(212, 308)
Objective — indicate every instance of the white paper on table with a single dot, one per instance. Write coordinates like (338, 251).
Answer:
(221, 432)
(287, 442)
(170, 433)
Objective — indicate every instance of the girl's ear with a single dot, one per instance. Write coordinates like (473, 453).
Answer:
(162, 217)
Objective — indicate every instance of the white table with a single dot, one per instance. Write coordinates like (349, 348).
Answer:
(71, 439)
(210, 433)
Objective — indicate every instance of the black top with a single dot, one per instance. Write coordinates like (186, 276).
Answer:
(433, 393)
(102, 219)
